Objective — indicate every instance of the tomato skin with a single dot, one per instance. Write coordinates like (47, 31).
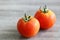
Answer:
(29, 28)
(46, 19)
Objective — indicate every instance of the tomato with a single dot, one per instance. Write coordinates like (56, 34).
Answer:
(46, 18)
(28, 26)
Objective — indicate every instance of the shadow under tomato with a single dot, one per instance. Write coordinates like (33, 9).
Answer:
(21, 37)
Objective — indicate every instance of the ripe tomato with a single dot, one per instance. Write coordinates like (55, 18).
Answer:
(46, 18)
(28, 27)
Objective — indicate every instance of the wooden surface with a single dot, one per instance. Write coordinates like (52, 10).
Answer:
(12, 10)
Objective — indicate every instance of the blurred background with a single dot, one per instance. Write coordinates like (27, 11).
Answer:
(12, 10)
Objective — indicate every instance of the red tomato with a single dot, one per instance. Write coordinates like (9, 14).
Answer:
(46, 18)
(28, 28)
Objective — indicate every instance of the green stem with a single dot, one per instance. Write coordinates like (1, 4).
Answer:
(45, 9)
(26, 18)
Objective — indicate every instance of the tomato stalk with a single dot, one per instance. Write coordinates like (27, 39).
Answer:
(45, 10)
(26, 18)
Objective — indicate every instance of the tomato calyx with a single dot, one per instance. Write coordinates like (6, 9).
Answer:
(45, 9)
(26, 18)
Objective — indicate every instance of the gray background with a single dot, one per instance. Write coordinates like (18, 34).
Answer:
(12, 10)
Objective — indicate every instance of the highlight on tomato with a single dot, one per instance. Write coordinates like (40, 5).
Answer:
(28, 26)
(46, 17)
